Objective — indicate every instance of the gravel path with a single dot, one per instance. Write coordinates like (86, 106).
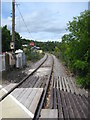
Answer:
(59, 69)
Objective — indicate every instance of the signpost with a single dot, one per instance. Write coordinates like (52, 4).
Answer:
(31, 44)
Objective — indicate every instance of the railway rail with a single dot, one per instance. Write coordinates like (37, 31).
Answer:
(22, 81)
(34, 81)
(59, 95)
(69, 100)
(44, 95)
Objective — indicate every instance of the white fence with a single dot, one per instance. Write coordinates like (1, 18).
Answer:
(7, 61)
(2, 62)
(20, 60)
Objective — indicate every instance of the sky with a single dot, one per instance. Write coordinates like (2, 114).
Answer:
(46, 21)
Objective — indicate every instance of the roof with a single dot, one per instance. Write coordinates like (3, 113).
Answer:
(19, 51)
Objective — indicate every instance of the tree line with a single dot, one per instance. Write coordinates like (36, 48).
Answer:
(19, 41)
(75, 48)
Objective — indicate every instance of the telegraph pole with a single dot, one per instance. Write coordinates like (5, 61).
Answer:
(13, 27)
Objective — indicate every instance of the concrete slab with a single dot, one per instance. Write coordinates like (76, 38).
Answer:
(15, 107)
(49, 113)
(12, 108)
(43, 71)
(30, 98)
(8, 88)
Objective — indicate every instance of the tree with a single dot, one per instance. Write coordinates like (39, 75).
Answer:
(6, 38)
(18, 41)
(75, 47)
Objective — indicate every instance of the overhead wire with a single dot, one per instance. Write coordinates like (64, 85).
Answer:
(24, 21)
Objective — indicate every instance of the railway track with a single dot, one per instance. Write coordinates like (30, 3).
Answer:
(65, 99)
(24, 80)
(59, 95)
(33, 80)
(44, 95)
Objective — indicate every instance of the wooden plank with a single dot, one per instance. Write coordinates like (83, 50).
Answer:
(17, 92)
(59, 103)
(78, 90)
(29, 82)
(25, 95)
(74, 86)
(57, 84)
(37, 83)
(22, 93)
(49, 114)
(55, 98)
(51, 95)
(43, 82)
(64, 87)
(51, 99)
(35, 101)
(83, 106)
(54, 83)
(67, 87)
(85, 100)
(78, 106)
(70, 85)
(26, 83)
(30, 98)
(40, 83)
(73, 104)
(60, 84)
(66, 114)
(69, 107)
(35, 79)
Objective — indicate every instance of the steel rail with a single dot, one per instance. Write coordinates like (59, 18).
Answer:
(23, 80)
(43, 96)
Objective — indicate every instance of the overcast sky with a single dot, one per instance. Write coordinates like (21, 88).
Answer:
(45, 21)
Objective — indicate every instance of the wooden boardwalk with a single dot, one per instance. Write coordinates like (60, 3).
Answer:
(68, 100)
(69, 105)
(68, 85)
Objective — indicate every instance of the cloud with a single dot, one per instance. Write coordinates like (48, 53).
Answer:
(7, 22)
(55, 30)
(45, 21)
(41, 22)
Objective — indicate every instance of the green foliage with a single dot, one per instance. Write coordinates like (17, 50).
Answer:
(81, 81)
(33, 56)
(75, 48)
(57, 52)
(18, 41)
(45, 46)
(80, 64)
(6, 38)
